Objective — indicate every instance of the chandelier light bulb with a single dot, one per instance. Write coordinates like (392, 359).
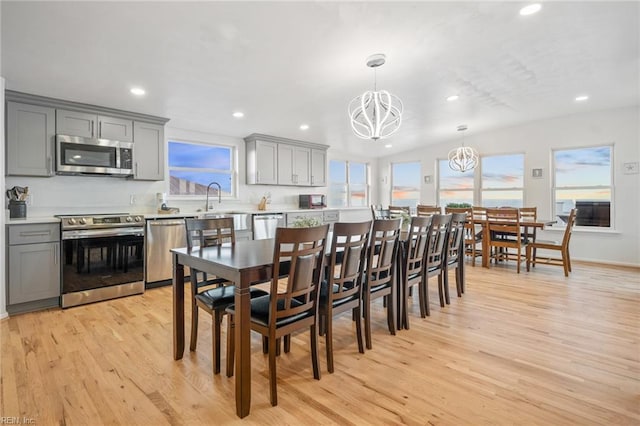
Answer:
(375, 114)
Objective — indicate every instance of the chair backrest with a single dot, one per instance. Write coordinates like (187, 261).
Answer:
(416, 245)
(504, 220)
(528, 214)
(479, 212)
(425, 210)
(302, 250)
(456, 234)
(399, 211)
(571, 221)
(209, 232)
(377, 212)
(437, 246)
(348, 256)
(383, 249)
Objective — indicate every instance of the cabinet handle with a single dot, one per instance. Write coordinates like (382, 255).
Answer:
(34, 233)
(100, 128)
(311, 179)
(135, 173)
(92, 129)
(55, 254)
(257, 176)
(49, 166)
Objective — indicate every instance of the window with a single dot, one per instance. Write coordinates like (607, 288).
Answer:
(583, 180)
(405, 184)
(192, 166)
(454, 187)
(348, 184)
(503, 180)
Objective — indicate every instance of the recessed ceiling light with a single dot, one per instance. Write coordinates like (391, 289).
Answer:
(582, 98)
(388, 145)
(452, 98)
(138, 91)
(304, 127)
(238, 114)
(531, 9)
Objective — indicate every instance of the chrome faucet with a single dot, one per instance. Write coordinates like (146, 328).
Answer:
(206, 208)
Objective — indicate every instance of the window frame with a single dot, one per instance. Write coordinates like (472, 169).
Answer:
(611, 186)
(439, 188)
(347, 183)
(391, 164)
(233, 171)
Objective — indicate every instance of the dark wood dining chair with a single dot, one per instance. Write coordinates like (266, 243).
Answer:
(380, 272)
(529, 214)
(425, 210)
(563, 247)
(506, 233)
(211, 294)
(292, 303)
(414, 249)
(471, 237)
(455, 254)
(435, 257)
(341, 289)
(377, 212)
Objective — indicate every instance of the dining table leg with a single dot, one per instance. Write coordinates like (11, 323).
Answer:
(243, 348)
(178, 309)
(486, 247)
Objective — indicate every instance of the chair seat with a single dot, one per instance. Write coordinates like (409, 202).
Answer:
(324, 296)
(221, 297)
(546, 244)
(260, 311)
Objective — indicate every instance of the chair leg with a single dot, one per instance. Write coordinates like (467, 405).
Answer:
(565, 263)
(568, 259)
(328, 336)
(358, 316)
(216, 320)
(277, 346)
(322, 326)
(287, 343)
(424, 299)
(273, 391)
(405, 306)
(367, 321)
(441, 290)
(528, 258)
(314, 351)
(391, 314)
(265, 345)
(518, 260)
(231, 345)
(459, 280)
(194, 324)
(446, 286)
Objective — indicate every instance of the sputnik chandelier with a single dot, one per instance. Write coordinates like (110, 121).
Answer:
(463, 158)
(375, 114)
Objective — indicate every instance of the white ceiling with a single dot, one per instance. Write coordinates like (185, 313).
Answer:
(284, 64)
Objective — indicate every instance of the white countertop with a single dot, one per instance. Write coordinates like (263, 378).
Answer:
(29, 220)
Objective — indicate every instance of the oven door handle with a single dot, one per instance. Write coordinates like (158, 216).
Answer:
(102, 233)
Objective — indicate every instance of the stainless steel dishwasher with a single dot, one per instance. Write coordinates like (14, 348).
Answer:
(265, 224)
(162, 235)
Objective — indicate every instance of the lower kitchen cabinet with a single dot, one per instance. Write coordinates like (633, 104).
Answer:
(33, 267)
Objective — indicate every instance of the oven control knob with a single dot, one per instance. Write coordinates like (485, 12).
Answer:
(72, 221)
(129, 219)
(138, 219)
(82, 221)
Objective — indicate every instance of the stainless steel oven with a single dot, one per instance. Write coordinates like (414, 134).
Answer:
(102, 257)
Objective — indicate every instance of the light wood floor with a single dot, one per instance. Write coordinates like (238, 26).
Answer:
(534, 348)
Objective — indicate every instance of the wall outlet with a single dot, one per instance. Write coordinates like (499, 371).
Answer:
(132, 199)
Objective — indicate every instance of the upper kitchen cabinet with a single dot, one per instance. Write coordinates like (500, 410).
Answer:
(30, 136)
(278, 161)
(33, 121)
(76, 123)
(148, 151)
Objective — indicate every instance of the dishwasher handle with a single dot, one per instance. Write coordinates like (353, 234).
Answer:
(171, 222)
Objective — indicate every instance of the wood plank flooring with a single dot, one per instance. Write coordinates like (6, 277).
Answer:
(533, 348)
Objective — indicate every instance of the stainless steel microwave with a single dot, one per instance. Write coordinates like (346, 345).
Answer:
(77, 155)
(312, 201)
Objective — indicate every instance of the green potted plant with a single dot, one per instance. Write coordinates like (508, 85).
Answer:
(458, 205)
(306, 222)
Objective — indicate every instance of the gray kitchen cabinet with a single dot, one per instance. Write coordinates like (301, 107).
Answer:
(278, 161)
(88, 125)
(30, 138)
(262, 162)
(318, 167)
(148, 151)
(33, 270)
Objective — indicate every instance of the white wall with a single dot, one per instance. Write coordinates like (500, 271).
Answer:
(618, 126)
(3, 253)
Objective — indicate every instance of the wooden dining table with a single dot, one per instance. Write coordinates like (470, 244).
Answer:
(244, 263)
(526, 224)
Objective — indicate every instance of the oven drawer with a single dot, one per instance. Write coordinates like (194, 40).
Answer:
(34, 233)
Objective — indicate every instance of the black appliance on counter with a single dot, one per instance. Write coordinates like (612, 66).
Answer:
(102, 257)
(312, 201)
